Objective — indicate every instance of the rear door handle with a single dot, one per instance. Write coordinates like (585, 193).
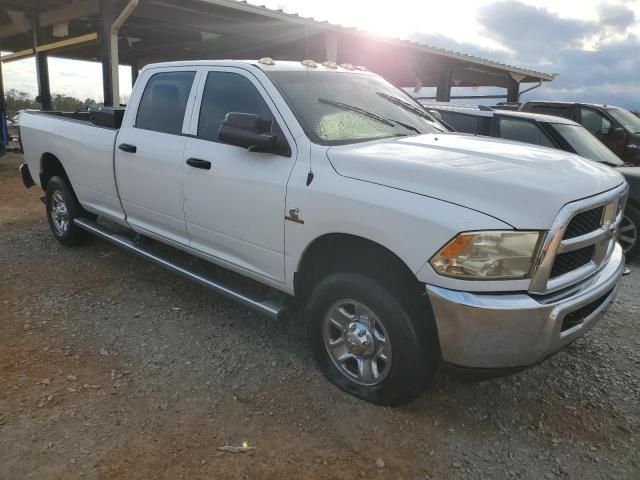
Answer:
(125, 147)
(197, 163)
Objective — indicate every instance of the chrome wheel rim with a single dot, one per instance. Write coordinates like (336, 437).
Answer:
(357, 342)
(59, 212)
(627, 234)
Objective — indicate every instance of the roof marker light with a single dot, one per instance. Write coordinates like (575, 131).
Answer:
(347, 66)
(266, 61)
(361, 68)
(329, 64)
(309, 63)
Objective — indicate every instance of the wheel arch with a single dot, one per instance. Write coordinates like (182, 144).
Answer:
(51, 166)
(335, 252)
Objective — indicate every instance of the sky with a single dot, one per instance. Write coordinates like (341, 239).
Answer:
(594, 45)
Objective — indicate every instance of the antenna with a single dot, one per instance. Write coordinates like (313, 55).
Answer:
(306, 41)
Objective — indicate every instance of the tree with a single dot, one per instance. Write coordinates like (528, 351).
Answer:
(16, 100)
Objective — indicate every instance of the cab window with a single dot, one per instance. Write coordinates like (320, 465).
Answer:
(164, 102)
(226, 92)
(523, 131)
(594, 121)
(555, 110)
(461, 122)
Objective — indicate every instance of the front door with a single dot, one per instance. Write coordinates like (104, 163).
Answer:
(235, 199)
(600, 125)
(148, 155)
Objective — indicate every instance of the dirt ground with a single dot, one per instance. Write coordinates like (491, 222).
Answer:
(112, 368)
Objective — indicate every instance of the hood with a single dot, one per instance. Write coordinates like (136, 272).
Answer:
(522, 185)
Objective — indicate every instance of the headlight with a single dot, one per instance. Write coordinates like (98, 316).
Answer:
(491, 255)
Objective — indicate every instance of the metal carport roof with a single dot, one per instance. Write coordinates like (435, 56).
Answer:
(160, 30)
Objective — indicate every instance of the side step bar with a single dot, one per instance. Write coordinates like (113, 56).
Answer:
(268, 307)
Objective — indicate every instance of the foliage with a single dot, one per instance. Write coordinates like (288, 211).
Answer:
(16, 100)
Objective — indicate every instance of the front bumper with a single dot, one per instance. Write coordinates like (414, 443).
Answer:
(512, 330)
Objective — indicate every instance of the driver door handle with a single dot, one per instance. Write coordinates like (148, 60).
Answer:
(125, 147)
(198, 163)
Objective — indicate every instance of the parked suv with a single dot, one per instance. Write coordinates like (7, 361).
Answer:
(617, 128)
(552, 132)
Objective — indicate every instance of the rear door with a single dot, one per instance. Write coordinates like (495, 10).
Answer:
(234, 199)
(149, 153)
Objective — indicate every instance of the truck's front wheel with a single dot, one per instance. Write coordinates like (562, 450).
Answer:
(367, 342)
(629, 234)
(62, 210)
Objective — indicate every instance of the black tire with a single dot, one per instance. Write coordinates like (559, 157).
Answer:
(629, 231)
(414, 349)
(59, 194)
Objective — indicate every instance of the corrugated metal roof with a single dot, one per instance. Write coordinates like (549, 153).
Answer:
(323, 24)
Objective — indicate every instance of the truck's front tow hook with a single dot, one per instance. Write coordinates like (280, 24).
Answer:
(626, 272)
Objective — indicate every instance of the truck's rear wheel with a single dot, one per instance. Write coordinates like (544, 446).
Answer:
(62, 210)
(367, 341)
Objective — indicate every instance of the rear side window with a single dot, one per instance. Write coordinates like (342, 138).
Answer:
(461, 122)
(556, 111)
(164, 102)
(524, 131)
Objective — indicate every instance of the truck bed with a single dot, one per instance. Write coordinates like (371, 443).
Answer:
(85, 149)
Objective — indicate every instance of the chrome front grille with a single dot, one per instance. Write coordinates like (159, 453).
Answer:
(584, 223)
(579, 242)
(569, 261)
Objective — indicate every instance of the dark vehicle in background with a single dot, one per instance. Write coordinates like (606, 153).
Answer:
(553, 132)
(617, 128)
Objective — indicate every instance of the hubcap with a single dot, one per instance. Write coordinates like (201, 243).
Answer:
(59, 212)
(357, 342)
(627, 234)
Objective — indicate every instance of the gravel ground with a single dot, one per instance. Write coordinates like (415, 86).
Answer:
(111, 367)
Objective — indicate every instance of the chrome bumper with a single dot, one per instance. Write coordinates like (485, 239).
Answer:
(511, 330)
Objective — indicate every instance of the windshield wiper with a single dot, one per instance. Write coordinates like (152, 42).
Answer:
(406, 105)
(370, 114)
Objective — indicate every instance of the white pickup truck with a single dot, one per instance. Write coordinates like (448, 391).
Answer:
(409, 247)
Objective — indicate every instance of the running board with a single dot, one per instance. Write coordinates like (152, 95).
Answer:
(268, 307)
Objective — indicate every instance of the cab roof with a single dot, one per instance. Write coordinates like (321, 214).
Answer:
(276, 66)
(487, 112)
(570, 104)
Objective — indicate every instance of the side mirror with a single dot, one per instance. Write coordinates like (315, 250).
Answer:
(616, 133)
(249, 131)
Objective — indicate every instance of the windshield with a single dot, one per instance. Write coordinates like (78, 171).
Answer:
(338, 108)
(628, 120)
(586, 145)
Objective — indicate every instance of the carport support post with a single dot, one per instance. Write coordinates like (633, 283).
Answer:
(443, 89)
(513, 91)
(42, 68)
(107, 16)
(3, 113)
(134, 73)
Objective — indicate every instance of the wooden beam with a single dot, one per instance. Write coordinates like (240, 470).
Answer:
(68, 42)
